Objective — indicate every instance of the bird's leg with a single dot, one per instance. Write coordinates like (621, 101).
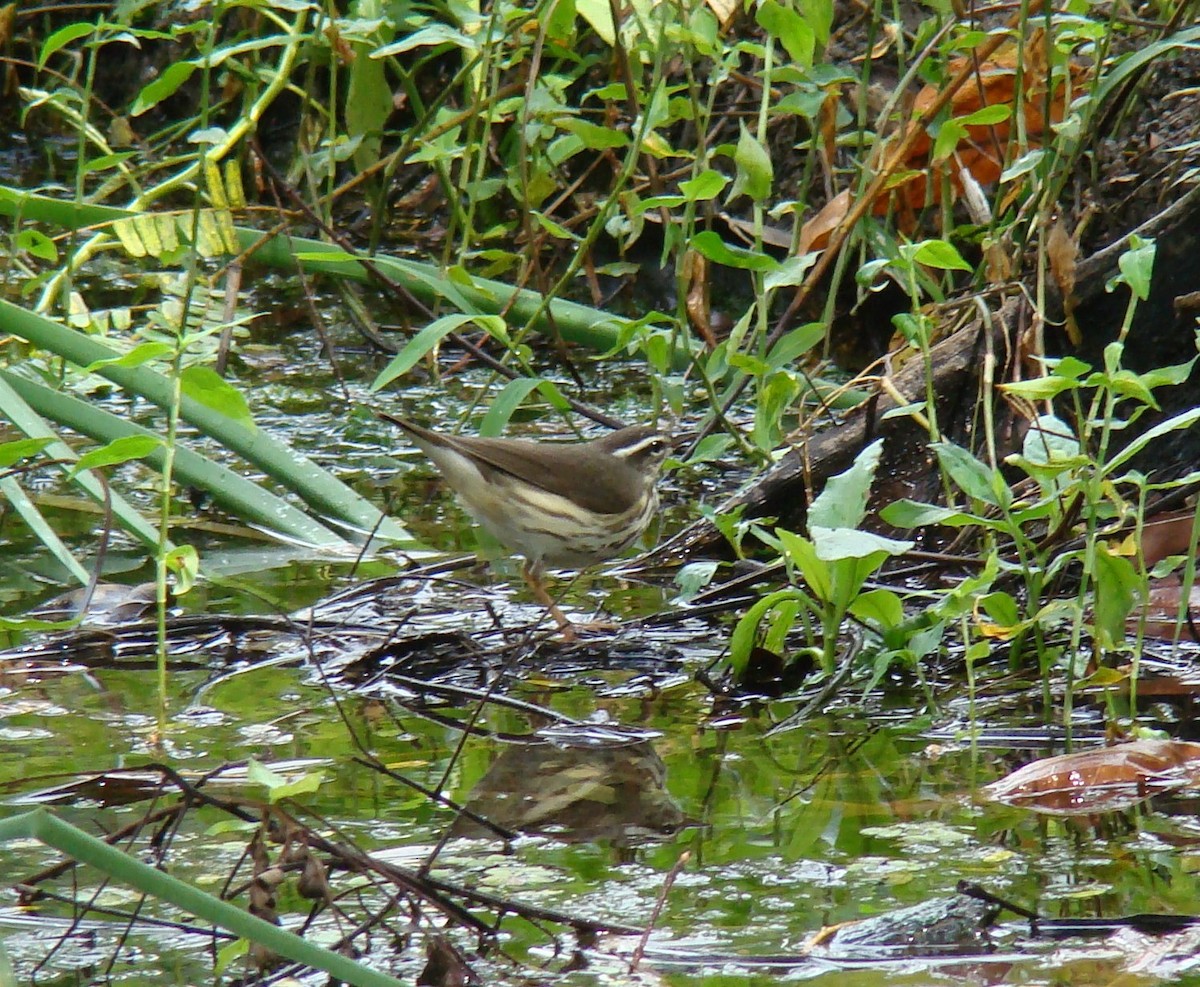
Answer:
(533, 579)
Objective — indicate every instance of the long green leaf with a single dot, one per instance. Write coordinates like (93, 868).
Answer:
(42, 529)
(232, 492)
(39, 824)
(581, 324)
(312, 484)
(17, 408)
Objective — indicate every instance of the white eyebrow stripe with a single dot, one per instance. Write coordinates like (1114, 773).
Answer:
(627, 451)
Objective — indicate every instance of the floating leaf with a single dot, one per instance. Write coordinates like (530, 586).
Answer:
(1105, 780)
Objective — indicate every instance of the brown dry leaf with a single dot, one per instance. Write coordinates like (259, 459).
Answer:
(750, 232)
(1162, 610)
(724, 9)
(890, 32)
(698, 308)
(1166, 535)
(814, 235)
(827, 125)
(984, 149)
(339, 44)
(1105, 780)
(444, 965)
(8, 17)
(313, 882)
(1062, 252)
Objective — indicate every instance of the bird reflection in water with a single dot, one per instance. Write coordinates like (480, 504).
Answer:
(577, 786)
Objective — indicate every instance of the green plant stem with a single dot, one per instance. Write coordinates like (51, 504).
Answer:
(229, 490)
(581, 324)
(41, 825)
(320, 490)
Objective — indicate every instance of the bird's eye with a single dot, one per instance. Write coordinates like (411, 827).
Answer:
(658, 447)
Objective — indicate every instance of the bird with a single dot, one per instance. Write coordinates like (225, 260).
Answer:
(562, 505)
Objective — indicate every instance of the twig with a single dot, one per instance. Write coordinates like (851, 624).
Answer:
(668, 882)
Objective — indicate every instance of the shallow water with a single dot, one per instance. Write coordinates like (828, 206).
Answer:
(870, 806)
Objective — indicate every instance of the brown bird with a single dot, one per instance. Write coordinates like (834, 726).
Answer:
(559, 504)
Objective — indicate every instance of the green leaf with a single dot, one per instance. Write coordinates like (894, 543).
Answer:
(36, 244)
(709, 244)
(1039, 388)
(555, 229)
(13, 452)
(792, 271)
(230, 953)
(118, 451)
(1127, 384)
(910, 514)
(258, 773)
(803, 555)
(598, 13)
(843, 501)
(430, 36)
(793, 32)
(1185, 419)
(183, 562)
(1051, 477)
(881, 606)
(987, 116)
(306, 784)
(1117, 587)
(795, 344)
(1001, 608)
(1137, 265)
(942, 255)
(707, 185)
(142, 353)
(924, 642)
(848, 575)
(1168, 376)
(970, 475)
(511, 397)
(169, 80)
(368, 105)
(1068, 367)
(1023, 165)
(594, 136)
(426, 340)
(1050, 440)
(1128, 65)
(950, 134)
(693, 577)
(782, 620)
(741, 641)
(712, 448)
(61, 38)
(818, 15)
(835, 544)
(754, 169)
(904, 410)
(206, 386)
(560, 20)
(775, 395)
